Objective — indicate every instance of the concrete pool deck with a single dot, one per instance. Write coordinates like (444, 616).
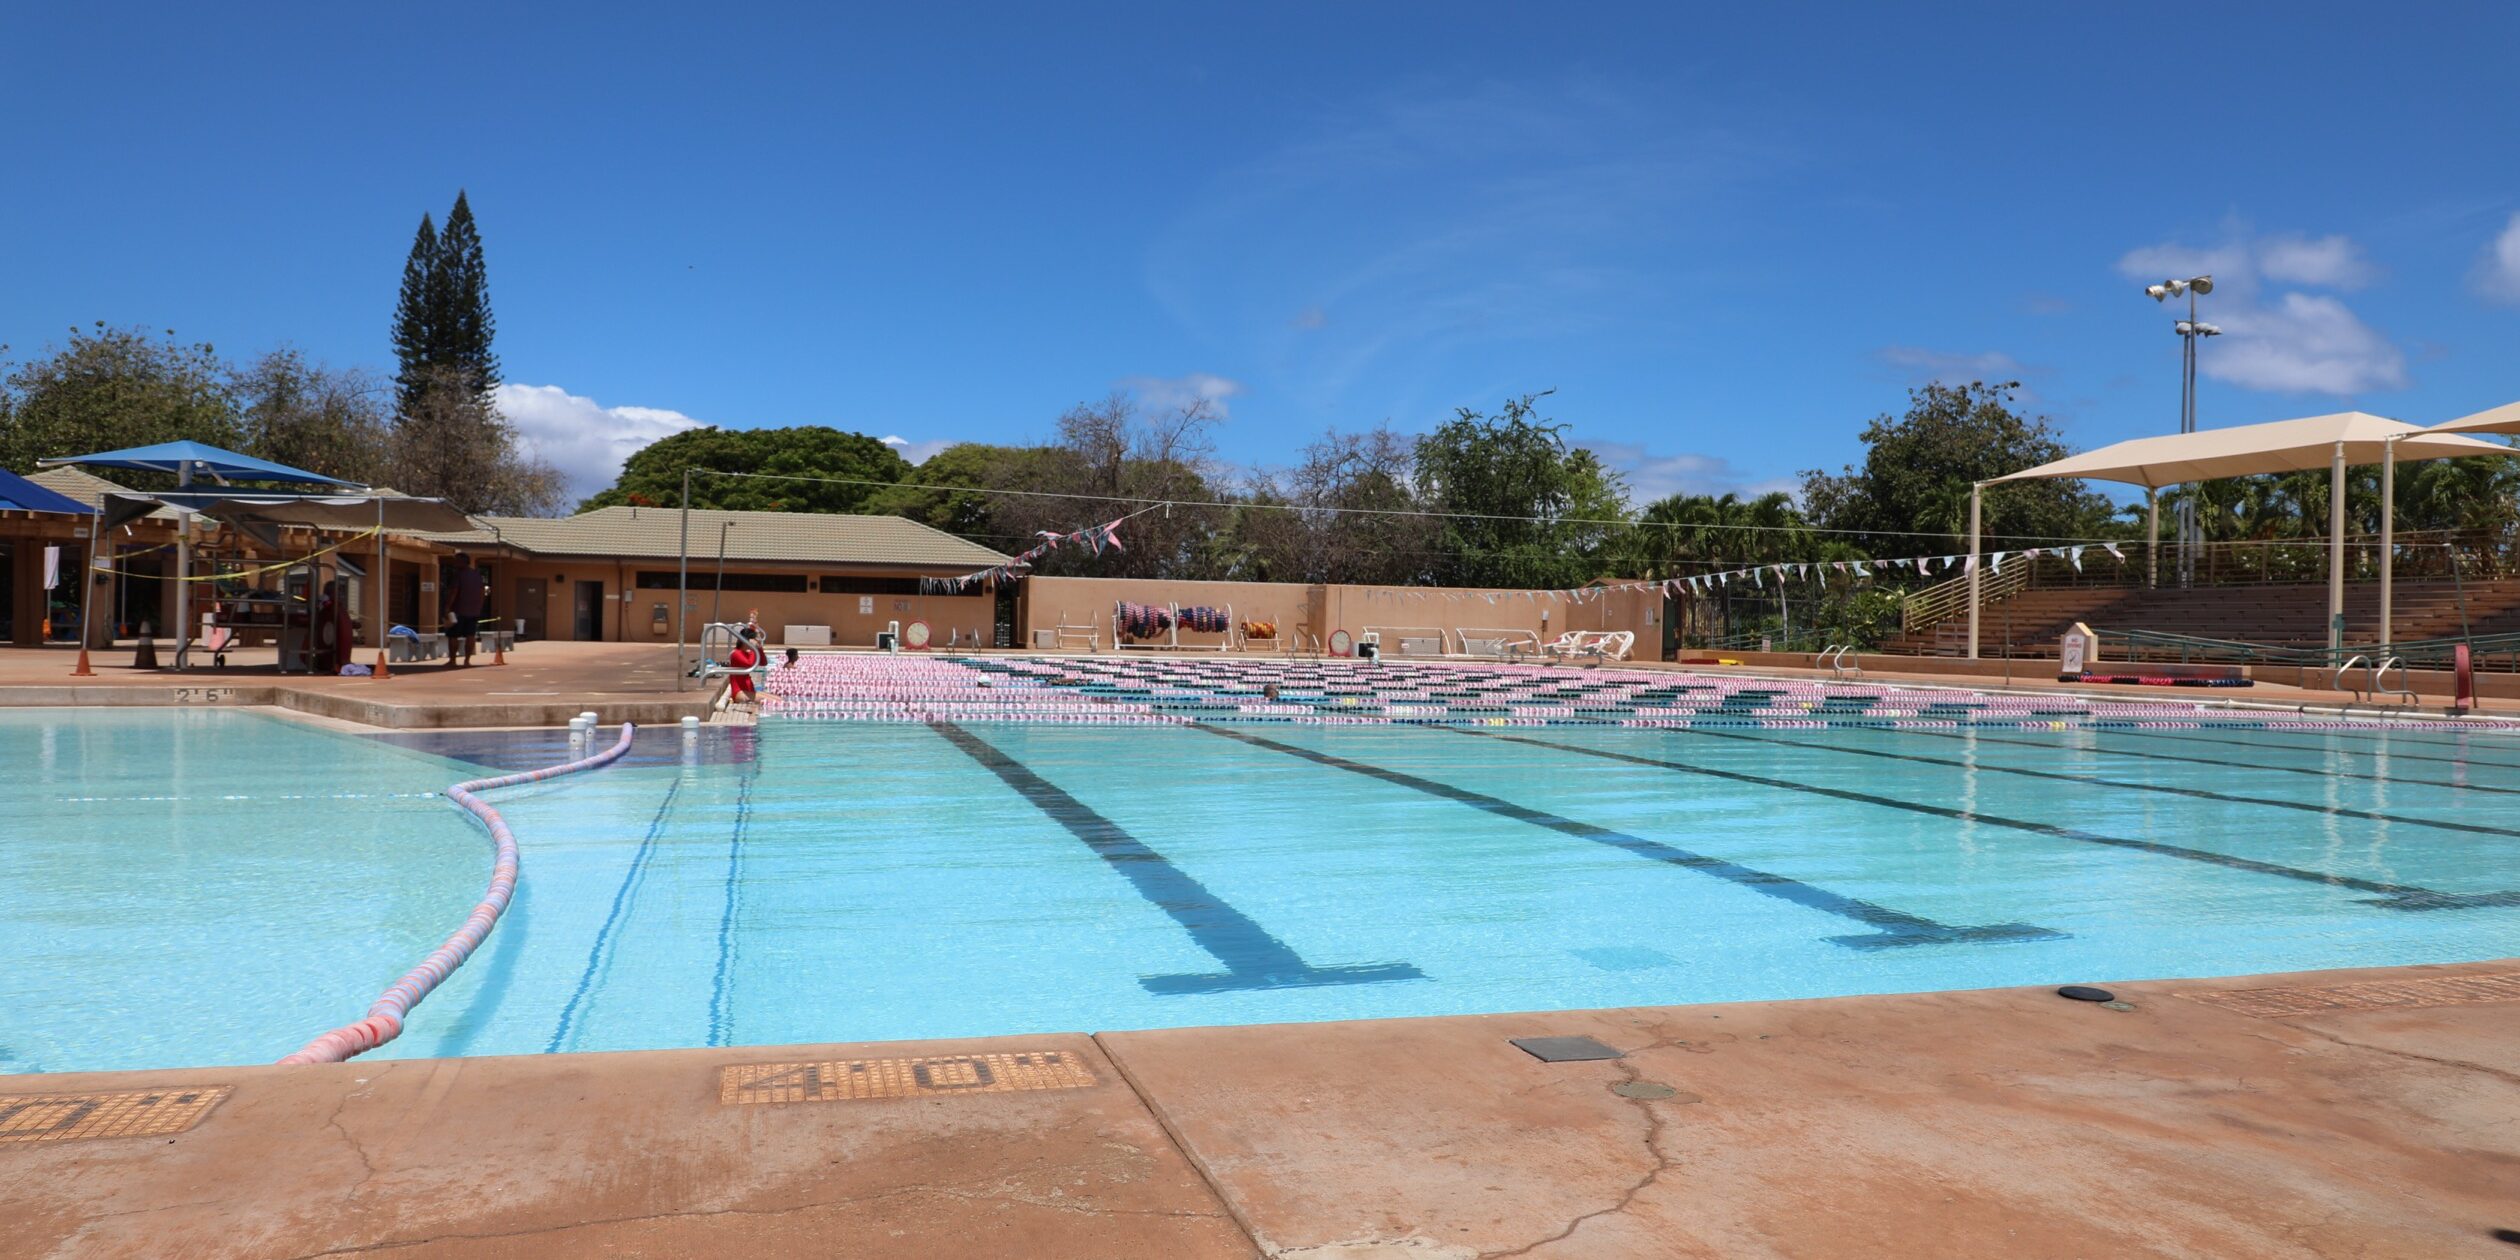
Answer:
(547, 683)
(2367, 1113)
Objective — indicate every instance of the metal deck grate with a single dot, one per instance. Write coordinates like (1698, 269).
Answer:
(839, 1080)
(2376, 995)
(132, 1113)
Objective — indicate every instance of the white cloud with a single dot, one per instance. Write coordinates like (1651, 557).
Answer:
(1938, 365)
(2327, 262)
(1651, 476)
(915, 452)
(2303, 343)
(2498, 272)
(1172, 393)
(2288, 342)
(584, 439)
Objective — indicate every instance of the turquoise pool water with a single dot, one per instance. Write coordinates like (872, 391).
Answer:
(208, 887)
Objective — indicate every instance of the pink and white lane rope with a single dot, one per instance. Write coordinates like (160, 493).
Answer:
(384, 1020)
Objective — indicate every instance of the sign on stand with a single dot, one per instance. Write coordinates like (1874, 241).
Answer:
(2076, 653)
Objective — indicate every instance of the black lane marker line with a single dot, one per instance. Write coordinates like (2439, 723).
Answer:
(1253, 958)
(2332, 811)
(2393, 754)
(1896, 927)
(2221, 762)
(2391, 896)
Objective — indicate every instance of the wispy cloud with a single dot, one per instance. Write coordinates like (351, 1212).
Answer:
(2325, 262)
(1411, 233)
(2281, 342)
(1921, 365)
(586, 440)
(1651, 475)
(1174, 393)
(2498, 272)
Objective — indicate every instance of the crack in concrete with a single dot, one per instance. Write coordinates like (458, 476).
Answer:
(2459, 1065)
(1655, 1124)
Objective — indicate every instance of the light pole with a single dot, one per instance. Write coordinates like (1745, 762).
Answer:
(2191, 533)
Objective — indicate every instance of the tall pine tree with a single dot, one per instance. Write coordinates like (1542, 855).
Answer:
(442, 322)
(449, 439)
(415, 326)
(464, 325)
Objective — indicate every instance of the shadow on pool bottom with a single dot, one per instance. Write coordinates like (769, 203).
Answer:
(512, 751)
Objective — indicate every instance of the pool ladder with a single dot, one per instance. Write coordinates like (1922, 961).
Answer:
(1840, 658)
(2375, 679)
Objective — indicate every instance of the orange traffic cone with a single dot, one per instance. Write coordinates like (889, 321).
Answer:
(498, 650)
(83, 671)
(382, 673)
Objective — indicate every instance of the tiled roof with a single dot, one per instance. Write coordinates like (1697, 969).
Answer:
(775, 537)
(76, 483)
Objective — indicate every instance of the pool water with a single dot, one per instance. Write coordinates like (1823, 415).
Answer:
(186, 887)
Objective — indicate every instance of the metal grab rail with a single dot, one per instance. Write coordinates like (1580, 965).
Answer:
(1839, 659)
(2380, 685)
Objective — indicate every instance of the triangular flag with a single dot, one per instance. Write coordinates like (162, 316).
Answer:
(2075, 554)
(1996, 562)
(2112, 549)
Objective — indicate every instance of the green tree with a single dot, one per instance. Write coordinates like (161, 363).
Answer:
(108, 388)
(1911, 494)
(951, 491)
(463, 321)
(305, 415)
(1522, 508)
(809, 468)
(415, 334)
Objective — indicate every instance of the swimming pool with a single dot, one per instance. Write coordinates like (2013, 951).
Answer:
(208, 887)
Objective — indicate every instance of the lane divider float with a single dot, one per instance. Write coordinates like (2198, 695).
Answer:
(385, 1016)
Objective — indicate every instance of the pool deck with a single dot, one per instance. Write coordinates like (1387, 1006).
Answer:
(546, 684)
(1996, 1123)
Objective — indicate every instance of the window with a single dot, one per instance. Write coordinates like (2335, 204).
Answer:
(843, 585)
(667, 579)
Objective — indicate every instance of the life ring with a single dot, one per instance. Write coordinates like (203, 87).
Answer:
(916, 635)
(1340, 643)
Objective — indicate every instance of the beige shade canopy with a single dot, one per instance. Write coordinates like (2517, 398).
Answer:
(2276, 447)
(2502, 419)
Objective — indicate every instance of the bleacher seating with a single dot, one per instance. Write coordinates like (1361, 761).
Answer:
(2286, 615)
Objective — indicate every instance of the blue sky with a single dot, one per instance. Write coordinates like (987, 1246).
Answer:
(1727, 236)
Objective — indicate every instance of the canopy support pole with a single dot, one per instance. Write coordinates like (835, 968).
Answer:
(2336, 551)
(2388, 542)
(1977, 499)
(2152, 537)
(383, 559)
(183, 571)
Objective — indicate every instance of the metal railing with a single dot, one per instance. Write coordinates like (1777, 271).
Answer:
(2485, 651)
(2450, 555)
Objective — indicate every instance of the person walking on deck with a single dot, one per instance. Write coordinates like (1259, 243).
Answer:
(467, 595)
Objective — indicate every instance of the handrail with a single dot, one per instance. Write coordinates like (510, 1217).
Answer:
(1949, 598)
(2380, 676)
(384, 1020)
(2337, 682)
(1836, 657)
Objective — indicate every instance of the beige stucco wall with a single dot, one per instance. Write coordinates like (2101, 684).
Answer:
(646, 615)
(1323, 610)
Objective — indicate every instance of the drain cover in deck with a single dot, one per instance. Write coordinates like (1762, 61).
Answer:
(838, 1080)
(1565, 1049)
(128, 1113)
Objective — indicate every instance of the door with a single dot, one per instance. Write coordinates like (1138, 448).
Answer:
(530, 603)
(590, 612)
